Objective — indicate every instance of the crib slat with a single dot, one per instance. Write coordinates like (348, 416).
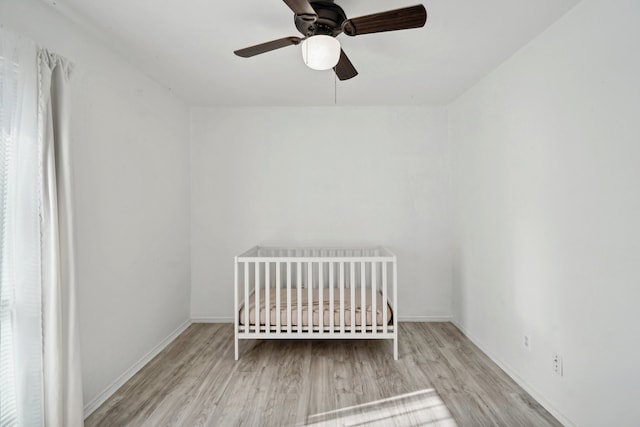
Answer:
(395, 304)
(352, 286)
(395, 309)
(299, 293)
(289, 310)
(236, 307)
(342, 296)
(278, 286)
(310, 296)
(320, 298)
(331, 296)
(267, 295)
(257, 297)
(374, 297)
(363, 297)
(277, 290)
(385, 304)
(246, 297)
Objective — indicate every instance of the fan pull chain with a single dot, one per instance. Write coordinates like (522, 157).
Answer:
(335, 88)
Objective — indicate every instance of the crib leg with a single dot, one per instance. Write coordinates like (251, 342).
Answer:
(395, 348)
(236, 347)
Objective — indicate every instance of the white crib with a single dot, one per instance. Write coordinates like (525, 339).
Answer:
(307, 293)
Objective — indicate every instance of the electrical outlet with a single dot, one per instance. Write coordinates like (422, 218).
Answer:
(557, 364)
(527, 342)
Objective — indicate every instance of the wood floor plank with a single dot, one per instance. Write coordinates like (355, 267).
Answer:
(322, 395)
(440, 379)
(192, 402)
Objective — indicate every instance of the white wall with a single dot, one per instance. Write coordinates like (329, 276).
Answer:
(321, 176)
(546, 168)
(132, 198)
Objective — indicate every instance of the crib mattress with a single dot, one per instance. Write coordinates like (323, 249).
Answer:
(315, 306)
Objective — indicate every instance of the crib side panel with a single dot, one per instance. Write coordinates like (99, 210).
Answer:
(314, 291)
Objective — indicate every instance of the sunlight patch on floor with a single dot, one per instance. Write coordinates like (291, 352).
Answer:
(419, 408)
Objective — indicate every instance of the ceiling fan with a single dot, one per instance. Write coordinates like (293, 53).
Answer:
(320, 21)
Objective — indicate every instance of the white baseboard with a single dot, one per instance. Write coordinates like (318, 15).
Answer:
(519, 380)
(425, 318)
(126, 376)
(212, 319)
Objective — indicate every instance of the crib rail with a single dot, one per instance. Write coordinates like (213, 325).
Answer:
(300, 283)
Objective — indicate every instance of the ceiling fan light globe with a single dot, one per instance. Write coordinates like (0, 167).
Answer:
(321, 52)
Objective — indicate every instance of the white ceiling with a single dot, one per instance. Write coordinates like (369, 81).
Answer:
(187, 46)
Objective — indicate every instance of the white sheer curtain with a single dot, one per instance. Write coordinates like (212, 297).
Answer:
(39, 348)
(21, 334)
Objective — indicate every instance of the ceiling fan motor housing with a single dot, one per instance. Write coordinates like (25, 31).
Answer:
(329, 21)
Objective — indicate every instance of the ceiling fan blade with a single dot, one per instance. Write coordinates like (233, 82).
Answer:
(267, 47)
(344, 68)
(392, 20)
(303, 8)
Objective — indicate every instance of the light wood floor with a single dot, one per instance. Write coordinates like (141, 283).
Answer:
(440, 379)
